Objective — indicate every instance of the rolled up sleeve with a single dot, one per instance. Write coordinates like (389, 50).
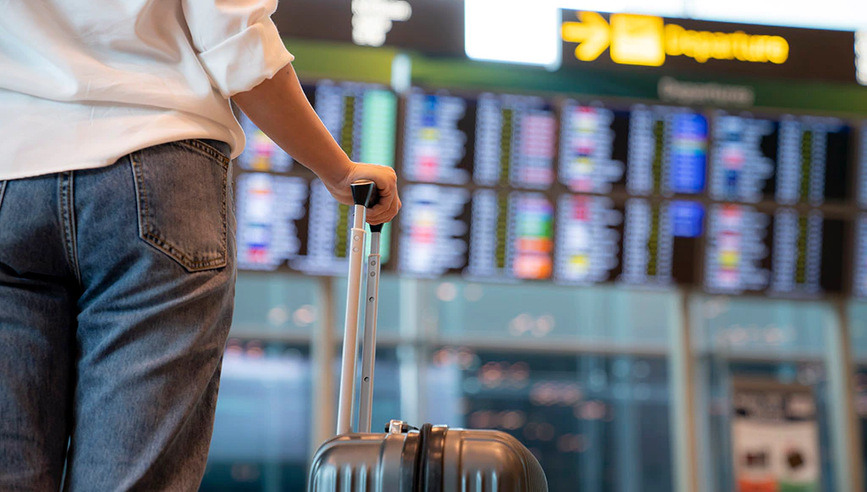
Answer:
(237, 43)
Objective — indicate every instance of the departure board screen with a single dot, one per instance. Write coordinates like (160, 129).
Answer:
(660, 244)
(743, 158)
(791, 160)
(511, 188)
(511, 236)
(592, 147)
(796, 266)
(859, 280)
(285, 215)
(261, 153)
(327, 248)
(439, 131)
(588, 240)
(362, 118)
(640, 242)
(811, 160)
(434, 230)
(781, 253)
(667, 151)
(860, 271)
(515, 141)
(737, 250)
(268, 209)
(862, 167)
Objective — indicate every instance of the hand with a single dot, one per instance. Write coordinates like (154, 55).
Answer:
(386, 181)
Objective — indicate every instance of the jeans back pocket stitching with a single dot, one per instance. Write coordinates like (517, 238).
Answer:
(149, 233)
(225, 216)
(207, 150)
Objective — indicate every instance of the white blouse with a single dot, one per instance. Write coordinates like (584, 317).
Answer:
(85, 82)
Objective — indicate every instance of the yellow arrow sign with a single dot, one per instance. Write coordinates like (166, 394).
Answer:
(592, 33)
(646, 40)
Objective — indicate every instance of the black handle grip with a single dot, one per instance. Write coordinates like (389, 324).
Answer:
(364, 192)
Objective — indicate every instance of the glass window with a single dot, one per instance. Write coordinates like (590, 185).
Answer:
(760, 326)
(270, 303)
(861, 410)
(858, 331)
(604, 315)
(261, 434)
(761, 341)
(596, 422)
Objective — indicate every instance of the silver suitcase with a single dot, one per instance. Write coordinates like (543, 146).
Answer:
(430, 459)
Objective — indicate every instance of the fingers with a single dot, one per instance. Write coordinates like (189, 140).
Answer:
(385, 211)
(386, 182)
(389, 203)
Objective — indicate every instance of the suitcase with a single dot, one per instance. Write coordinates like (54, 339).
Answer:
(404, 459)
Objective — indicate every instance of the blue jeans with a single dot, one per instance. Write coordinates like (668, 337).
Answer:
(116, 297)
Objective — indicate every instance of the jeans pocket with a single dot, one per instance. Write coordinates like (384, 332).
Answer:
(182, 194)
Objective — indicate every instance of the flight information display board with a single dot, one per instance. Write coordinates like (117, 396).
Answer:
(261, 153)
(327, 239)
(286, 217)
(434, 230)
(489, 139)
(862, 167)
(514, 141)
(362, 118)
(438, 147)
(779, 253)
(592, 147)
(640, 242)
(511, 236)
(667, 151)
(508, 188)
(269, 209)
(860, 260)
(660, 245)
(859, 278)
(588, 243)
(791, 160)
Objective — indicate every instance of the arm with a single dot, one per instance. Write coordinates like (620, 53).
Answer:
(279, 108)
(240, 49)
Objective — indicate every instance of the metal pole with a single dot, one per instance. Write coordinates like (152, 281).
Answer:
(683, 397)
(322, 358)
(628, 448)
(407, 353)
(350, 333)
(845, 427)
(368, 359)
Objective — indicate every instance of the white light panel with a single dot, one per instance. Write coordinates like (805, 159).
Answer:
(842, 15)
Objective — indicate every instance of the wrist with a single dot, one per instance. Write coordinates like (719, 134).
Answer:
(337, 172)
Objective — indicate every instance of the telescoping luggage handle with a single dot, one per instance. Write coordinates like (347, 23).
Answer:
(365, 195)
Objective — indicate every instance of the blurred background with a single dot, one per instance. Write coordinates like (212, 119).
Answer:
(634, 236)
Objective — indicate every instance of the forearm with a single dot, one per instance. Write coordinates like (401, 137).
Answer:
(279, 108)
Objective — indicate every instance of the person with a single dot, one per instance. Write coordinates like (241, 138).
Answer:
(117, 248)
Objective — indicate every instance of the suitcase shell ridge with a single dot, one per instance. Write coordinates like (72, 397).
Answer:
(358, 463)
(489, 461)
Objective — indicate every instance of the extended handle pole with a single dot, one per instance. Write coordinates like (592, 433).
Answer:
(368, 358)
(365, 195)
